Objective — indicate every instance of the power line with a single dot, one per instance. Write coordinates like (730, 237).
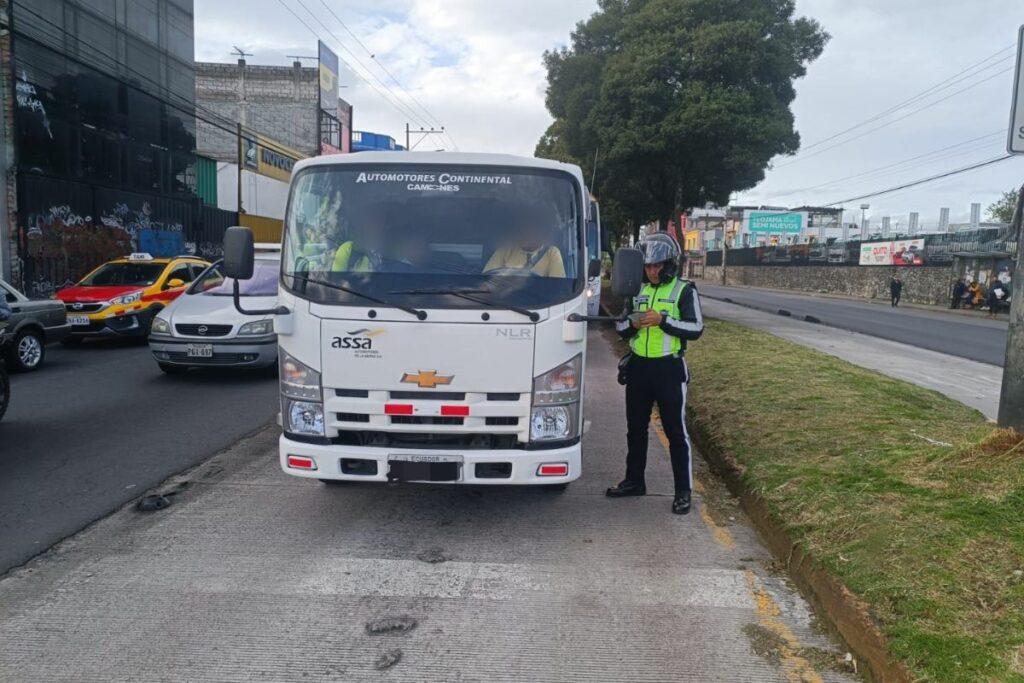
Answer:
(942, 85)
(922, 181)
(397, 105)
(896, 120)
(874, 171)
(388, 72)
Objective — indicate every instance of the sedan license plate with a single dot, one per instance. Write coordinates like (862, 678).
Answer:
(200, 350)
(78, 319)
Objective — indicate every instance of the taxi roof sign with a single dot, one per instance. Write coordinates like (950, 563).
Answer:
(140, 256)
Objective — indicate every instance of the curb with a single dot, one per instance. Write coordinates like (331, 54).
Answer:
(847, 615)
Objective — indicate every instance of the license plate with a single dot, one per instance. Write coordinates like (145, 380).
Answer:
(404, 470)
(78, 319)
(200, 350)
(423, 457)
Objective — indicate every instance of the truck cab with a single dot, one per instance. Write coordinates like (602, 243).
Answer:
(429, 318)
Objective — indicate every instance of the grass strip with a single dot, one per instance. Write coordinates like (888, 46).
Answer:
(911, 499)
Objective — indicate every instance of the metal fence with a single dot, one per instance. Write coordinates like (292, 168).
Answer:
(936, 250)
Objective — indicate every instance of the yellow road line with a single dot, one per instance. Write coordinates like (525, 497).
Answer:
(721, 535)
(797, 668)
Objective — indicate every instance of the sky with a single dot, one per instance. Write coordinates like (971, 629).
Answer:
(476, 68)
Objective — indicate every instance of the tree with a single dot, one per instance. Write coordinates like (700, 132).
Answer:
(1002, 210)
(686, 101)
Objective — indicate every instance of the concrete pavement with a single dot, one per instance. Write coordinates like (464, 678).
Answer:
(253, 575)
(975, 384)
(97, 425)
(980, 340)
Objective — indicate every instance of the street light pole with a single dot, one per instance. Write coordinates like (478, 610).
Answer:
(1011, 399)
(863, 220)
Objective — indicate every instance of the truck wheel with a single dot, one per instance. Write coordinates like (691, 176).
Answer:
(27, 351)
(169, 369)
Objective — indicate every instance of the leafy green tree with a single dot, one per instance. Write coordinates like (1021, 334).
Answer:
(685, 101)
(1002, 210)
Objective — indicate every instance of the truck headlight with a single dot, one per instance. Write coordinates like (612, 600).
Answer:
(305, 417)
(298, 380)
(160, 326)
(556, 402)
(257, 327)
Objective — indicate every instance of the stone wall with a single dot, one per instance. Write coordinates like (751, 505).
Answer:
(279, 102)
(922, 285)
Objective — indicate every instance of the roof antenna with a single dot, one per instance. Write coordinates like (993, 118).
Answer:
(242, 54)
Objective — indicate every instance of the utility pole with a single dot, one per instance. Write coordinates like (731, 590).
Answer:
(423, 132)
(1011, 400)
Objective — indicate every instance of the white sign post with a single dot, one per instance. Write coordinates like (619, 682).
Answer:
(1015, 140)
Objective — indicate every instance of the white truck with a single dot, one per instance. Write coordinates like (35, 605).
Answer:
(431, 318)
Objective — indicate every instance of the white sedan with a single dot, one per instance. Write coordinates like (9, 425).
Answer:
(202, 328)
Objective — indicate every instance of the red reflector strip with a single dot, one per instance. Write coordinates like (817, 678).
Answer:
(455, 411)
(398, 409)
(559, 469)
(297, 462)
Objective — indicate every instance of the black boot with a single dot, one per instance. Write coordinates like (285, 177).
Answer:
(681, 503)
(626, 488)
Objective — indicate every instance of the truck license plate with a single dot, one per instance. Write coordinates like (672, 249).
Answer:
(404, 470)
(78, 319)
(424, 457)
(200, 350)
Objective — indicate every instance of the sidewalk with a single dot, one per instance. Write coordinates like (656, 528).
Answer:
(976, 314)
(972, 383)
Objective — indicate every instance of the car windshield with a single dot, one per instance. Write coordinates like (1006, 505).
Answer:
(393, 231)
(124, 274)
(263, 281)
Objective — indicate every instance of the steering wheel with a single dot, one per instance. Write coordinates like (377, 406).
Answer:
(511, 270)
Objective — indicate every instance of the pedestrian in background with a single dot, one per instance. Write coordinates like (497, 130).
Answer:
(959, 289)
(658, 324)
(895, 290)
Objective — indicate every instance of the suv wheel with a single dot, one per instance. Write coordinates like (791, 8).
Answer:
(27, 351)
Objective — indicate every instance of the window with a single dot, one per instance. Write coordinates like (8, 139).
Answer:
(179, 34)
(182, 272)
(143, 19)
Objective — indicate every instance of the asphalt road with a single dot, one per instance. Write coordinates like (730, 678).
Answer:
(257, 576)
(97, 425)
(973, 338)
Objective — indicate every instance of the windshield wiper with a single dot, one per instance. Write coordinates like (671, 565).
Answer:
(421, 315)
(467, 294)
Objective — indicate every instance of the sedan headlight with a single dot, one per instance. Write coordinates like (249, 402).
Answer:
(298, 380)
(160, 326)
(556, 402)
(257, 327)
(305, 417)
(126, 299)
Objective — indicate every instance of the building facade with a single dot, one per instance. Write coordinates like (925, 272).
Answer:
(103, 134)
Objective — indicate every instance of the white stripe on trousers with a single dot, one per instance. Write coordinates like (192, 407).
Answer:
(686, 432)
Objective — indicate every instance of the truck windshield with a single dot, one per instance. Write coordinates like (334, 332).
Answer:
(411, 234)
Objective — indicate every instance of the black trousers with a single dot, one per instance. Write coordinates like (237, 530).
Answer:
(662, 381)
(896, 299)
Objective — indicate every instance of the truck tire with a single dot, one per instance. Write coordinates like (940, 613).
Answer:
(27, 351)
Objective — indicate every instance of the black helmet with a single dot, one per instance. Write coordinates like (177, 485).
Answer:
(661, 248)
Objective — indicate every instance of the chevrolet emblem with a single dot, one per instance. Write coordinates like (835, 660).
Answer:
(427, 379)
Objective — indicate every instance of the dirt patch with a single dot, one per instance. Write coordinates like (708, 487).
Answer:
(764, 643)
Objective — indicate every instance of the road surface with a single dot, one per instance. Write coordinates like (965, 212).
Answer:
(252, 575)
(97, 425)
(977, 339)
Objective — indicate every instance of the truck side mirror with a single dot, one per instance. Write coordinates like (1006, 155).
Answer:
(594, 269)
(239, 253)
(627, 272)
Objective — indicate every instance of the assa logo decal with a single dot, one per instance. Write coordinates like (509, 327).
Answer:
(359, 340)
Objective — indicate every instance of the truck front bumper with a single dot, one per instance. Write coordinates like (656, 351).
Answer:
(348, 463)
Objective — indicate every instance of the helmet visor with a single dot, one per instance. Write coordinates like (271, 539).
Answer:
(658, 252)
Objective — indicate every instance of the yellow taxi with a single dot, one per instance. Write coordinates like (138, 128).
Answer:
(121, 297)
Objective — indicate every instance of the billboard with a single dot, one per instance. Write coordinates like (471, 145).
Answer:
(328, 79)
(765, 225)
(264, 156)
(898, 253)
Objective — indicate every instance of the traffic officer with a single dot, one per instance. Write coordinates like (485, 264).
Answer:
(658, 324)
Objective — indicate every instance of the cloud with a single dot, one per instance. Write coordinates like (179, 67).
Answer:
(476, 67)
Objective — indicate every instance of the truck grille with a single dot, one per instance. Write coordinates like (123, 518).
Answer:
(426, 420)
(426, 440)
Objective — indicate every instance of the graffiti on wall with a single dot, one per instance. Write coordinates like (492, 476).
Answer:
(134, 221)
(27, 97)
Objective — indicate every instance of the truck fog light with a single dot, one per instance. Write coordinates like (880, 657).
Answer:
(306, 418)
